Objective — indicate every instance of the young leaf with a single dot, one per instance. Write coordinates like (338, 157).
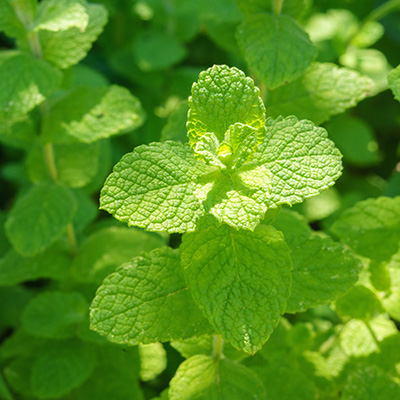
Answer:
(394, 82)
(300, 158)
(203, 378)
(59, 15)
(25, 82)
(65, 48)
(153, 360)
(275, 47)
(324, 90)
(54, 314)
(371, 227)
(147, 301)
(153, 188)
(39, 218)
(61, 367)
(107, 249)
(243, 301)
(221, 97)
(322, 269)
(391, 300)
(88, 114)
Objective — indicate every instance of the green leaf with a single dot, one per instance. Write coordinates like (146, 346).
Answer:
(324, 90)
(394, 82)
(153, 188)
(371, 227)
(203, 378)
(153, 360)
(54, 314)
(52, 263)
(107, 249)
(59, 15)
(86, 212)
(175, 128)
(21, 134)
(147, 301)
(221, 97)
(391, 299)
(370, 383)
(10, 24)
(243, 301)
(67, 47)
(76, 163)
(61, 367)
(355, 139)
(322, 269)
(39, 218)
(88, 114)
(5, 393)
(275, 47)
(25, 82)
(359, 303)
(156, 51)
(300, 158)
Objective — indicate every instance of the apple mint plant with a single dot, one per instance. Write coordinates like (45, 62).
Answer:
(234, 274)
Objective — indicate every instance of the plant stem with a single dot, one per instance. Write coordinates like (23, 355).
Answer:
(218, 346)
(71, 238)
(277, 6)
(381, 11)
(48, 152)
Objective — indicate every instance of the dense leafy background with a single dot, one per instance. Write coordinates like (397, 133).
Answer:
(110, 76)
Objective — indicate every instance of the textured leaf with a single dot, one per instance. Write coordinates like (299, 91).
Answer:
(221, 97)
(39, 218)
(391, 300)
(371, 227)
(202, 378)
(153, 360)
(300, 158)
(370, 383)
(10, 24)
(324, 90)
(275, 47)
(61, 367)
(146, 301)
(88, 114)
(153, 188)
(107, 249)
(59, 15)
(322, 269)
(54, 314)
(25, 82)
(76, 163)
(394, 82)
(294, 8)
(52, 263)
(155, 51)
(67, 47)
(242, 300)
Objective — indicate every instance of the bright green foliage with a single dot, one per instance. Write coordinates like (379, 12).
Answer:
(324, 90)
(153, 188)
(156, 51)
(65, 48)
(394, 82)
(359, 303)
(391, 300)
(301, 159)
(276, 48)
(39, 218)
(153, 360)
(52, 263)
(9, 21)
(371, 227)
(60, 15)
(322, 269)
(145, 301)
(88, 114)
(60, 368)
(107, 249)
(24, 83)
(204, 378)
(355, 139)
(293, 8)
(54, 314)
(241, 300)
(221, 97)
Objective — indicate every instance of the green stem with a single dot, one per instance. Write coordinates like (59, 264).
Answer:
(49, 158)
(71, 238)
(34, 44)
(277, 6)
(218, 346)
(382, 11)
